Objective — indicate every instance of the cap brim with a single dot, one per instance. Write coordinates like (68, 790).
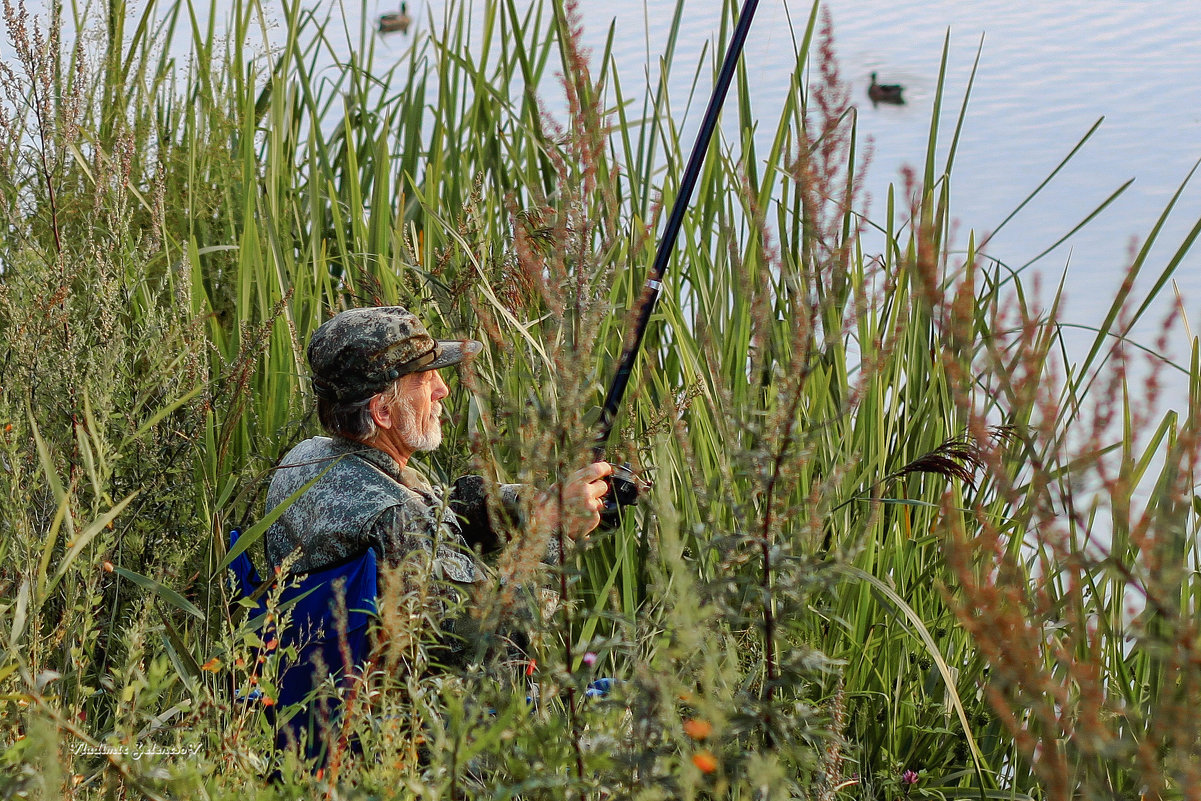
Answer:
(453, 352)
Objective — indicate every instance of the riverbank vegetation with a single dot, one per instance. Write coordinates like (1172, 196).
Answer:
(898, 543)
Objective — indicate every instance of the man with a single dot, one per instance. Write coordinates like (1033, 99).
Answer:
(379, 397)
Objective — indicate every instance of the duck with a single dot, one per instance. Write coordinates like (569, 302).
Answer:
(396, 21)
(886, 92)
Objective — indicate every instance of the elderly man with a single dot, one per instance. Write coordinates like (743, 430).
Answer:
(379, 396)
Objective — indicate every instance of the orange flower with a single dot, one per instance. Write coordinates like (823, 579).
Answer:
(272, 643)
(531, 667)
(705, 761)
(268, 701)
(698, 729)
(108, 566)
(212, 666)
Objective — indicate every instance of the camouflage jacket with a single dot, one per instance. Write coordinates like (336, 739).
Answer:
(363, 498)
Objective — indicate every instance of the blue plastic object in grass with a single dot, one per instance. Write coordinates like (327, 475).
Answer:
(250, 697)
(245, 578)
(328, 612)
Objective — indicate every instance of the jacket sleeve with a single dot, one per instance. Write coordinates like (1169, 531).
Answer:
(469, 501)
(404, 535)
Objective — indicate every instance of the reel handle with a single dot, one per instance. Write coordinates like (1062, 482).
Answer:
(624, 488)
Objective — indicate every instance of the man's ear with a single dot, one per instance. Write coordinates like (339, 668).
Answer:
(380, 411)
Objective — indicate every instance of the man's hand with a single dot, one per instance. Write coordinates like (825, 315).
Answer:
(581, 497)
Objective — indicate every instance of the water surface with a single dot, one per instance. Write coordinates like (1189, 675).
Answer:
(1046, 74)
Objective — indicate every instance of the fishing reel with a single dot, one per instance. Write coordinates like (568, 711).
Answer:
(624, 488)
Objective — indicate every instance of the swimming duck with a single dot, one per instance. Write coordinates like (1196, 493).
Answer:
(396, 21)
(886, 92)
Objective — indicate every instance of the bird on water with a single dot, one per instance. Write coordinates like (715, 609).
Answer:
(886, 92)
(396, 21)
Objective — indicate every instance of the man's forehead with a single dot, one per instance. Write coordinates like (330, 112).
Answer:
(419, 382)
(424, 377)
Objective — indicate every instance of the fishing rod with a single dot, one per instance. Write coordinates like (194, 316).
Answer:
(623, 482)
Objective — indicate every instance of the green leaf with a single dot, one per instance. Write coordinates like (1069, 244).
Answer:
(919, 628)
(161, 590)
(19, 615)
(86, 536)
(181, 657)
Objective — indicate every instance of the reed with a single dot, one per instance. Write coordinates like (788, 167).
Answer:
(898, 543)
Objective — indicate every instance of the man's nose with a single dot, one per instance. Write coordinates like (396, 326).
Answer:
(440, 388)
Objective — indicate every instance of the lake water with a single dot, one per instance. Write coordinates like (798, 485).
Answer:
(1047, 72)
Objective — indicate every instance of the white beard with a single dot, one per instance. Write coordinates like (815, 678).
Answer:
(420, 435)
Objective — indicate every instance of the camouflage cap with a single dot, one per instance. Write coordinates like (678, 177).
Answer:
(360, 352)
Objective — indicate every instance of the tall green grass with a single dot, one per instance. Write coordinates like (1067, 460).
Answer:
(807, 576)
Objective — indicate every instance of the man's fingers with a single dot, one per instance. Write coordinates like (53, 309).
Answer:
(594, 471)
(582, 496)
